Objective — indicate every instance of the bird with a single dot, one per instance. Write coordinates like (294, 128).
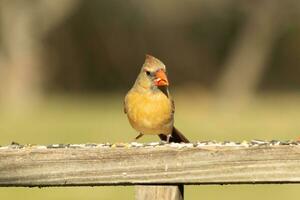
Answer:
(149, 105)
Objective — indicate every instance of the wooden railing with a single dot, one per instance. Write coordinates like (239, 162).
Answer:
(160, 170)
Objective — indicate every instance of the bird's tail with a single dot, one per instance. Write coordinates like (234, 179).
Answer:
(176, 137)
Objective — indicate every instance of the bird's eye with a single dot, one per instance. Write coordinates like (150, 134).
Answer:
(148, 73)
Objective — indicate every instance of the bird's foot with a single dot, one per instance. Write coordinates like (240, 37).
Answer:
(139, 136)
(168, 138)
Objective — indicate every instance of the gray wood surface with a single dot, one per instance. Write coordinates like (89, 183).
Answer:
(154, 163)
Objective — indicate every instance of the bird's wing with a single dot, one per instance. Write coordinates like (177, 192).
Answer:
(124, 107)
(173, 106)
(125, 102)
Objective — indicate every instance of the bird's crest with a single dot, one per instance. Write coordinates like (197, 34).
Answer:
(152, 62)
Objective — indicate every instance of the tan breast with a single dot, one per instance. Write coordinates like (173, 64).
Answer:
(149, 113)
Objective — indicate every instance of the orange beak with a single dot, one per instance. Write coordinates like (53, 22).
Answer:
(161, 78)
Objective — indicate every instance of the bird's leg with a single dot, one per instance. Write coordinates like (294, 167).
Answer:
(139, 136)
(168, 138)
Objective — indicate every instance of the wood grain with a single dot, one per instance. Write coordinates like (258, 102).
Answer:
(91, 165)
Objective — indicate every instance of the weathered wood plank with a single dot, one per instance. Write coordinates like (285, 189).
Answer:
(139, 164)
(152, 192)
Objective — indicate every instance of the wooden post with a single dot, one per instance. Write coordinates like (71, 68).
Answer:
(159, 192)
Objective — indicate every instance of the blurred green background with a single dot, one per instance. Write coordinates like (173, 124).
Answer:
(66, 65)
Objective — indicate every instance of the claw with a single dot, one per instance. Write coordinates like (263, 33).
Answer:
(139, 136)
(168, 138)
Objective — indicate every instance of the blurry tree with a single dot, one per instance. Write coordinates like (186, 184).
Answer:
(101, 46)
(23, 26)
(252, 50)
(106, 41)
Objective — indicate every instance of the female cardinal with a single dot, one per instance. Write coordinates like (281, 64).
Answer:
(148, 104)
